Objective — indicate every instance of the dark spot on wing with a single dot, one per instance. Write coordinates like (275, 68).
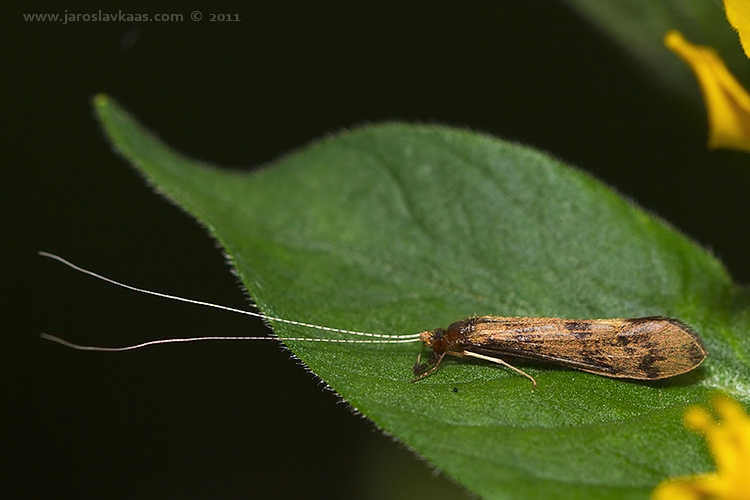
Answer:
(647, 365)
(577, 326)
(623, 339)
(579, 329)
(596, 359)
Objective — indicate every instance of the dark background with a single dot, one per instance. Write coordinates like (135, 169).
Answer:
(228, 420)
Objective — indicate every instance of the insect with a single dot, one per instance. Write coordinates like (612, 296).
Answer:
(649, 348)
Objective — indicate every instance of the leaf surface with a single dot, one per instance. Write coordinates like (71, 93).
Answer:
(399, 228)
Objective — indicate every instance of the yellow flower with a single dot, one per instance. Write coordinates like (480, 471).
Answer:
(727, 102)
(729, 442)
(738, 15)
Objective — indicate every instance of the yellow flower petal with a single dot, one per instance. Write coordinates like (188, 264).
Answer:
(696, 488)
(697, 419)
(738, 15)
(729, 441)
(727, 102)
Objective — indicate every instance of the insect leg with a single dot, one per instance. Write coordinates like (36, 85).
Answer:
(422, 371)
(498, 361)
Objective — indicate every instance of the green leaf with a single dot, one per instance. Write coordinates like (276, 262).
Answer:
(400, 228)
(639, 27)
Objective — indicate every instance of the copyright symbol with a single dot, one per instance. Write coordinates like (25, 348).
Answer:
(196, 15)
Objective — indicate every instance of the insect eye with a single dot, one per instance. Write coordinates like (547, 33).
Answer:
(439, 345)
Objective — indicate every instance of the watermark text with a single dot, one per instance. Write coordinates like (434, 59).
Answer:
(120, 16)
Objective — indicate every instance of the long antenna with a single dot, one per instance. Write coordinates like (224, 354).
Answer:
(381, 338)
(80, 347)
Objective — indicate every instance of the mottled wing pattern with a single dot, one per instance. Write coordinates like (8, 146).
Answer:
(641, 348)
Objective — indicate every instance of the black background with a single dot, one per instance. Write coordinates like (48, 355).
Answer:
(230, 420)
